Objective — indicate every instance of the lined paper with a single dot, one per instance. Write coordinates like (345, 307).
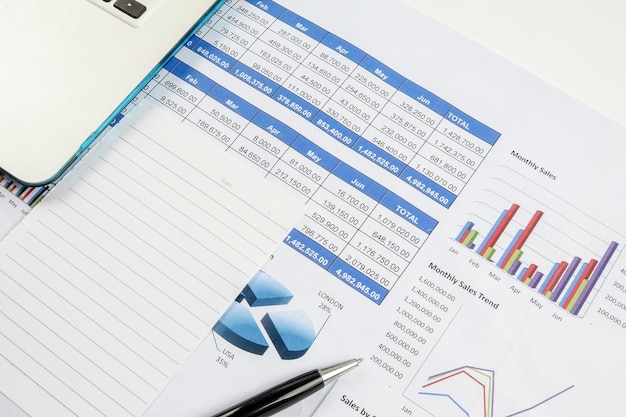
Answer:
(109, 285)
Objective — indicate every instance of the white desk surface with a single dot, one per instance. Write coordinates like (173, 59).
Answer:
(575, 45)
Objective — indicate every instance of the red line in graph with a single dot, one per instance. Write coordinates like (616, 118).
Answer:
(485, 407)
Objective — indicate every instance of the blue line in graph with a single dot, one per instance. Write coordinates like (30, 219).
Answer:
(449, 397)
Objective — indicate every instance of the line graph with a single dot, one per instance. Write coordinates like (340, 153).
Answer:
(463, 386)
(503, 365)
(468, 391)
(541, 402)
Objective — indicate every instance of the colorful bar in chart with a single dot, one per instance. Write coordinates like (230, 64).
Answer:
(496, 231)
(29, 195)
(567, 283)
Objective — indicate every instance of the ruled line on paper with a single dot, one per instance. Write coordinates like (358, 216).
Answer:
(122, 269)
(235, 231)
(143, 277)
(50, 310)
(243, 201)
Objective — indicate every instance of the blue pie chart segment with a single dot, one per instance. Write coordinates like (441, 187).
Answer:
(291, 332)
(238, 326)
(265, 290)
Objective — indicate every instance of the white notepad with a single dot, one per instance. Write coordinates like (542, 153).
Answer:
(109, 285)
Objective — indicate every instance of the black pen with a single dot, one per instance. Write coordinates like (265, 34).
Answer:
(283, 395)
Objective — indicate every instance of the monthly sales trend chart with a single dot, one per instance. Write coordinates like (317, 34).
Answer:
(462, 390)
(467, 391)
(568, 282)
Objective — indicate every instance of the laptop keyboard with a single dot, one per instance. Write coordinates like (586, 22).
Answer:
(131, 7)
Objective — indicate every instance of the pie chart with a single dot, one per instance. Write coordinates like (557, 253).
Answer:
(238, 327)
(290, 331)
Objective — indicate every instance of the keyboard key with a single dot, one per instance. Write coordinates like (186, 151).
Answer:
(131, 7)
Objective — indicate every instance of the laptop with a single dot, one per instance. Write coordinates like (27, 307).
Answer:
(68, 66)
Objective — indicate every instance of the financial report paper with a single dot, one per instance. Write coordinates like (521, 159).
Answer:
(463, 235)
(463, 231)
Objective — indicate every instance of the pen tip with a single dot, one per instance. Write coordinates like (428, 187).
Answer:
(359, 360)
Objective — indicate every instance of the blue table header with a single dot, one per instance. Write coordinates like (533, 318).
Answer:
(169, 65)
(359, 181)
(409, 212)
(233, 102)
(193, 77)
(315, 153)
(425, 98)
(472, 125)
(302, 25)
(344, 48)
(268, 7)
(382, 72)
(275, 127)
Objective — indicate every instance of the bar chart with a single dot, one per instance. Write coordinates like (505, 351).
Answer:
(557, 249)
(568, 282)
(29, 195)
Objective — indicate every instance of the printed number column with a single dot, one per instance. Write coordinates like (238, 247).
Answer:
(342, 117)
(223, 40)
(375, 85)
(304, 166)
(294, 39)
(457, 148)
(320, 236)
(418, 112)
(270, 66)
(186, 83)
(353, 197)
(229, 45)
(177, 90)
(383, 247)
(264, 141)
(215, 18)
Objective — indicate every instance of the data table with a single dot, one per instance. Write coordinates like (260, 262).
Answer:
(356, 228)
